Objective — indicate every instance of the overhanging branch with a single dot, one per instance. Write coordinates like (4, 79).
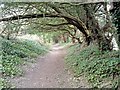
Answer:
(71, 20)
(27, 16)
(58, 24)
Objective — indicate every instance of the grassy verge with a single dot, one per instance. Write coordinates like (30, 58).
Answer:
(15, 53)
(101, 69)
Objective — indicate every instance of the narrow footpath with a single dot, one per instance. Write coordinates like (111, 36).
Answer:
(49, 71)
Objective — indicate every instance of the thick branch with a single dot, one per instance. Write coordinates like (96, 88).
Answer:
(28, 16)
(79, 24)
(71, 20)
(73, 35)
(58, 24)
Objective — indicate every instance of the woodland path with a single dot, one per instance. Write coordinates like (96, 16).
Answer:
(49, 71)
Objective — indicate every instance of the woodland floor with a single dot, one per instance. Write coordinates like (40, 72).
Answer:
(49, 71)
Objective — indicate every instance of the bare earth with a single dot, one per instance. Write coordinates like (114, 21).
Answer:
(49, 71)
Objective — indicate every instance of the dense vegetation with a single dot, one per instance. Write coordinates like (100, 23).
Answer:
(100, 68)
(16, 53)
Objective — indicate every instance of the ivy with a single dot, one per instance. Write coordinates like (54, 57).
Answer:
(15, 52)
(96, 66)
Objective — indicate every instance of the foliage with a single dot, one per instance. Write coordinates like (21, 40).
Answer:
(10, 65)
(14, 54)
(23, 48)
(96, 66)
(5, 84)
(49, 17)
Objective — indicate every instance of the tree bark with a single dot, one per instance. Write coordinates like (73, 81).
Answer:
(97, 34)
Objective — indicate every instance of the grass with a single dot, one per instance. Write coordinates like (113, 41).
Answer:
(98, 67)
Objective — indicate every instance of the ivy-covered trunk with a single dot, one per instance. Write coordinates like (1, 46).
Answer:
(96, 34)
(115, 11)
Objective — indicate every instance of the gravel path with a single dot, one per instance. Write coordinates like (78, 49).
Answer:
(49, 71)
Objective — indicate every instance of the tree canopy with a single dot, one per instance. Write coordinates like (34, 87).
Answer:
(55, 16)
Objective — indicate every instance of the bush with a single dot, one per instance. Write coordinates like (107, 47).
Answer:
(97, 66)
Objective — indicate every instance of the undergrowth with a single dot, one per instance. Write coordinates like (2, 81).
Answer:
(100, 68)
(15, 52)
(5, 84)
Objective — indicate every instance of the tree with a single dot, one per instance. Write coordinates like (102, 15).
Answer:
(67, 14)
(115, 11)
(59, 14)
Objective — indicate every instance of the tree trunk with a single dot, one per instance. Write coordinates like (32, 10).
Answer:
(97, 34)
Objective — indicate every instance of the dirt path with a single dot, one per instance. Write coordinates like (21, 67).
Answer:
(48, 72)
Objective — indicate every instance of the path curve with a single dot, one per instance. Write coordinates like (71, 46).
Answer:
(49, 71)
